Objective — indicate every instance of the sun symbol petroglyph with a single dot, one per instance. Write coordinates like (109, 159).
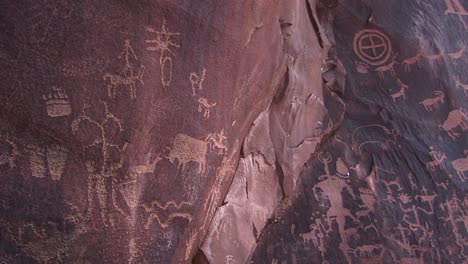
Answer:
(163, 43)
(372, 46)
(57, 102)
(128, 77)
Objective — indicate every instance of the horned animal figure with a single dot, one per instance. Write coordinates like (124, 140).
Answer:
(456, 118)
(431, 104)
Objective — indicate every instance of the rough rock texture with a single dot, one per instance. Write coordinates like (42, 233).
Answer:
(297, 131)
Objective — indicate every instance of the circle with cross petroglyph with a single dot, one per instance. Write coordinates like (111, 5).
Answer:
(372, 46)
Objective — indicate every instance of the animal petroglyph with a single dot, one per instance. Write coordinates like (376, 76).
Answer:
(57, 103)
(407, 63)
(459, 53)
(197, 81)
(431, 104)
(402, 92)
(186, 149)
(216, 140)
(372, 46)
(456, 8)
(372, 134)
(205, 106)
(459, 84)
(436, 57)
(128, 77)
(9, 152)
(388, 67)
(456, 118)
(177, 210)
(163, 43)
(437, 163)
(461, 166)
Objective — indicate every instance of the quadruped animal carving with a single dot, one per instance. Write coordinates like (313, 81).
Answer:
(416, 59)
(431, 104)
(372, 134)
(456, 8)
(456, 118)
(402, 92)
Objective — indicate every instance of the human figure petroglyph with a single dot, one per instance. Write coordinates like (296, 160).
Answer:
(128, 76)
(456, 8)
(163, 43)
(372, 134)
(186, 148)
(197, 81)
(388, 67)
(205, 106)
(456, 118)
(96, 173)
(57, 102)
(9, 152)
(407, 63)
(431, 104)
(436, 164)
(459, 84)
(402, 92)
(332, 187)
(179, 210)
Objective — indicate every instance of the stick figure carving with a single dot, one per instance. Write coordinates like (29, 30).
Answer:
(164, 42)
(128, 76)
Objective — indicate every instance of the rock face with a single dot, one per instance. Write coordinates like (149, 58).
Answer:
(295, 131)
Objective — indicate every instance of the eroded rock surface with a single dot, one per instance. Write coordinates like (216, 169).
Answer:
(295, 131)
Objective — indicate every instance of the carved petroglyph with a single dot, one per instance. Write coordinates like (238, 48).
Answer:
(401, 93)
(459, 53)
(407, 63)
(148, 167)
(98, 170)
(163, 43)
(436, 57)
(128, 77)
(57, 103)
(37, 161)
(431, 104)
(456, 118)
(332, 187)
(388, 67)
(9, 152)
(197, 81)
(372, 134)
(461, 166)
(56, 161)
(454, 7)
(205, 106)
(437, 163)
(186, 148)
(459, 84)
(217, 140)
(372, 47)
(51, 159)
(361, 67)
(178, 210)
